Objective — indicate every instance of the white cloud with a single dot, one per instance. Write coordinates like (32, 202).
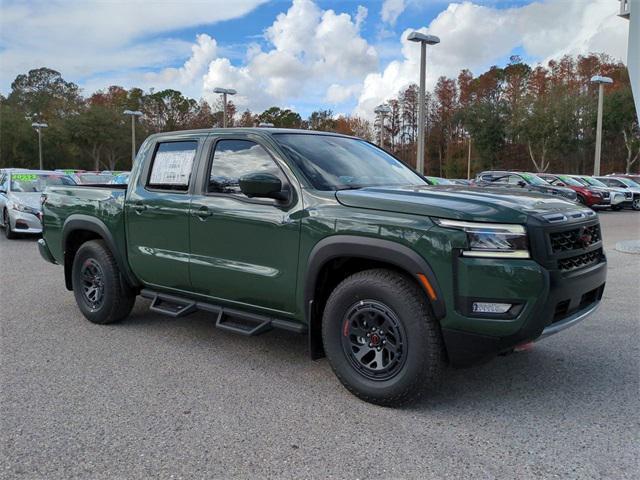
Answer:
(391, 10)
(475, 37)
(203, 52)
(341, 93)
(312, 49)
(81, 38)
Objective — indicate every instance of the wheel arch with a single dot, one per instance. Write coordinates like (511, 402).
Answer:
(358, 253)
(79, 229)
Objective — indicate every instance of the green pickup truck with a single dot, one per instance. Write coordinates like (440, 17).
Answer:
(329, 236)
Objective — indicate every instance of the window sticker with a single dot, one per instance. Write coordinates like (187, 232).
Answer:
(24, 177)
(172, 167)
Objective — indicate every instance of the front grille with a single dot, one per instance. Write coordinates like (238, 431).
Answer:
(580, 261)
(605, 194)
(574, 239)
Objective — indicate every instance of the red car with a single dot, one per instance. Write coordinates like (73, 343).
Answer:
(586, 195)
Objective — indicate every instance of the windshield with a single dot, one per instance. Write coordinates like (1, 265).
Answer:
(593, 182)
(93, 178)
(36, 182)
(334, 163)
(569, 181)
(533, 179)
(440, 181)
(629, 183)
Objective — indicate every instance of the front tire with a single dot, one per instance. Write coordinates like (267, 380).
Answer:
(7, 225)
(100, 292)
(636, 204)
(381, 339)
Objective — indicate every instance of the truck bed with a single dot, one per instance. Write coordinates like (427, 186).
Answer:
(76, 203)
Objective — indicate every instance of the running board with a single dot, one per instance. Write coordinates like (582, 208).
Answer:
(231, 320)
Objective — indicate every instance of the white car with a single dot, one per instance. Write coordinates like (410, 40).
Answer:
(20, 192)
(624, 183)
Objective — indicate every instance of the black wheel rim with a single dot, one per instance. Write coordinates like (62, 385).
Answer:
(92, 283)
(374, 340)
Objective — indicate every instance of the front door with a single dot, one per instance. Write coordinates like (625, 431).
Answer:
(157, 213)
(244, 251)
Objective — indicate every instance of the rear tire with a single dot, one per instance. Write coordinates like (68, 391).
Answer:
(100, 292)
(7, 225)
(381, 339)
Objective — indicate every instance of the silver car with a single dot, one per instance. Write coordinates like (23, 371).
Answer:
(20, 192)
(626, 184)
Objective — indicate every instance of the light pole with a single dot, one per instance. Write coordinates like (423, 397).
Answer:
(133, 114)
(424, 40)
(601, 82)
(224, 92)
(39, 126)
(382, 111)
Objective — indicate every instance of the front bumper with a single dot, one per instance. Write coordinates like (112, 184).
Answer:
(550, 292)
(23, 222)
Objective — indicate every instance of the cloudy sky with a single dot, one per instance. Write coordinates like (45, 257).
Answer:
(302, 54)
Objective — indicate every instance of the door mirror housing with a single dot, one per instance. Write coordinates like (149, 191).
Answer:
(263, 185)
(561, 184)
(521, 183)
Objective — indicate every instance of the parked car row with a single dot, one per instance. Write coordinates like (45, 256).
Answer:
(615, 192)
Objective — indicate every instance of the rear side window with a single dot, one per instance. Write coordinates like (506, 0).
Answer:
(172, 165)
(234, 158)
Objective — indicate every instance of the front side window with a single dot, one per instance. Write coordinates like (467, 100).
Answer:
(172, 165)
(331, 162)
(234, 158)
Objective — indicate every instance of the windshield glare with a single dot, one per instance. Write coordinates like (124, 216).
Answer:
(333, 163)
(534, 179)
(36, 182)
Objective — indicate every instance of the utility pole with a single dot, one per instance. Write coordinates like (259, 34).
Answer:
(424, 40)
(382, 111)
(224, 92)
(133, 114)
(469, 161)
(39, 126)
(600, 81)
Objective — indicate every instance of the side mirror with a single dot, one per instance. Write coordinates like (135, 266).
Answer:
(263, 185)
(561, 184)
(522, 184)
(2, 190)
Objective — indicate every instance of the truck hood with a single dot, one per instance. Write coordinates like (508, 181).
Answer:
(30, 199)
(457, 202)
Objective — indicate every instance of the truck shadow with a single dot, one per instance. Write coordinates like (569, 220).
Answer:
(538, 382)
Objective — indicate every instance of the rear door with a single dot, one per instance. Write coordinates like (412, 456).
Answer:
(244, 250)
(157, 212)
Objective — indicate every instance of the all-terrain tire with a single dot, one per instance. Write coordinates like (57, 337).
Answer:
(95, 270)
(403, 301)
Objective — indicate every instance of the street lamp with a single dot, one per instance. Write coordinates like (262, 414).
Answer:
(39, 127)
(424, 40)
(133, 114)
(382, 111)
(601, 82)
(224, 92)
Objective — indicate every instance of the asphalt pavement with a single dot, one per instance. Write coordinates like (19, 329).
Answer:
(156, 397)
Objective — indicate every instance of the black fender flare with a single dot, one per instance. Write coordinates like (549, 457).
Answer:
(79, 221)
(353, 246)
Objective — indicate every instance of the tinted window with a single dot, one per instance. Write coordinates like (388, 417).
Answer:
(172, 165)
(331, 162)
(234, 158)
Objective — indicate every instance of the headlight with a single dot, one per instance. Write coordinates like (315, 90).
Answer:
(492, 240)
(24, 208)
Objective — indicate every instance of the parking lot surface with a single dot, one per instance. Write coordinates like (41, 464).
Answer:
(176, 398)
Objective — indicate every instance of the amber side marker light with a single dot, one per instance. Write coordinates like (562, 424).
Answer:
(427, 286)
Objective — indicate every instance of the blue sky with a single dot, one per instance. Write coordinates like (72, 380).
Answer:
(304, 54)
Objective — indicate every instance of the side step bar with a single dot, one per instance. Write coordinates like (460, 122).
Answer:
(231, 320)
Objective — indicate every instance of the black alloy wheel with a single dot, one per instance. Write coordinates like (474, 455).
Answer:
(374, 340)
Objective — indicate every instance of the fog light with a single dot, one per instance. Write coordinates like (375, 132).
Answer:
(488, 307)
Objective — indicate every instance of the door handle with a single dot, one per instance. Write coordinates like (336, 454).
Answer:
(139, 207)
(203, 212)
